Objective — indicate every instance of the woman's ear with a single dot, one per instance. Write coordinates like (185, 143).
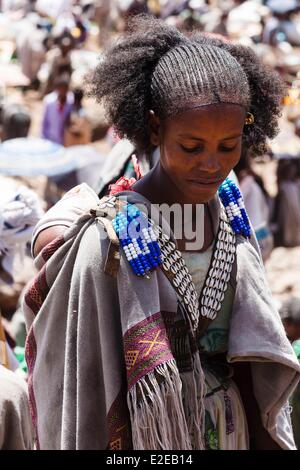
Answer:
(154, 124)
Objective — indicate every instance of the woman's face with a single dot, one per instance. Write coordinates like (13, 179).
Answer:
(199, 148)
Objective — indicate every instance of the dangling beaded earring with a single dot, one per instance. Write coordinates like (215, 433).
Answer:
(141, 251)
(233, 203)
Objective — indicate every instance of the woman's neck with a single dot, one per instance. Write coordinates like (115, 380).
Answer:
(158, 188)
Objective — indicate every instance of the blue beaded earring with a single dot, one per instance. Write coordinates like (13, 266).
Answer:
(137, 239)
(233, 203)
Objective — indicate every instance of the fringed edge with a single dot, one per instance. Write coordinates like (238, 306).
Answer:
(156, 410)
(194, 390)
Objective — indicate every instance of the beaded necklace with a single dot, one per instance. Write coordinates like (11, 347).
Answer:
(210, 300)
(235, 208)
(146, 247)
(137, 239)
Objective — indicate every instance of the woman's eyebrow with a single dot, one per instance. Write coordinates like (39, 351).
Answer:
(190, 136)
(233, 137)
(193, 137)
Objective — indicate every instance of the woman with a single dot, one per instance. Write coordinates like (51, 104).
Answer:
(124, 351)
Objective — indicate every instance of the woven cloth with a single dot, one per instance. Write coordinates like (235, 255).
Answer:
(110, 362)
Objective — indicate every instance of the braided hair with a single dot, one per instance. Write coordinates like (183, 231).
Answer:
(156, 67)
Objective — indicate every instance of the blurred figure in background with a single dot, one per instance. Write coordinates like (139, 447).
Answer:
(16, 429)
(297, 127)
(106, 15)
(58, 106)
(257, 202)
(280, 26)
(290, 316)
(287, 206)
(78, 128)
(15, 121)
(31, 45)
(59, 59)
(19, 212)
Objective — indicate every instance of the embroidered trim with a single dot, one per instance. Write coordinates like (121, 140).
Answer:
(146, 346)
(51, 248)
(118, 421)
(30, 355)
(38, 291)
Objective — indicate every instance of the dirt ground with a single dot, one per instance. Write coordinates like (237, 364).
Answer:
(283, 272)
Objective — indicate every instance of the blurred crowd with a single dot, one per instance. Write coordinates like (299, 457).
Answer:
(46, 48)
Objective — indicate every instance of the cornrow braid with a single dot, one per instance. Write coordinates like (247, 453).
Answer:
(266, 93)
(192, 72)
(122, 79)
(157, 67)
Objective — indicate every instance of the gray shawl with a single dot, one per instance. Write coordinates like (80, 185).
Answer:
(104, 368)
(16, 431)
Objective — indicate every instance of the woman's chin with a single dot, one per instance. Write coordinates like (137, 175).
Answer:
(197, 195)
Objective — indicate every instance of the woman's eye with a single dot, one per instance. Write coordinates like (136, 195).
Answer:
(198, 148)
(223, 148)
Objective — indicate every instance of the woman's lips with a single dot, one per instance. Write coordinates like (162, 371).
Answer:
(205, 182)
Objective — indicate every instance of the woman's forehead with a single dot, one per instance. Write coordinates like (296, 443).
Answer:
(218, 119)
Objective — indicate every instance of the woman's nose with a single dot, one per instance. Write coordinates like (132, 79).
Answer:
(210, 163)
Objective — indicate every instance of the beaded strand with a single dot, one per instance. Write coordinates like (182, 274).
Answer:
(235, 208)
(138, 251)
(142, 251)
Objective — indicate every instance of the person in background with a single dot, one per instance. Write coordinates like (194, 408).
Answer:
(31, 48)
(59, 59)
(280, 26)
(15, 121)
(297, 127)
(57, 109)
(19, 212)
(78, 127)
(16, 429)
(257, 202)
(290, 316)
(287, 204)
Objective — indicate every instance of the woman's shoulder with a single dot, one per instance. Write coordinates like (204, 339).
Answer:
(99, 246)
(64, 213)
(247, 258)
(95, 244)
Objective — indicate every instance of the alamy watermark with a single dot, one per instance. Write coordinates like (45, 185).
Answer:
(181, 222)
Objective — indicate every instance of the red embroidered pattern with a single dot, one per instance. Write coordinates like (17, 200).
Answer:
(51, 248)
(38, 291)
(30, 355)
(146, 346)
(118, 420)
(34, 298)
